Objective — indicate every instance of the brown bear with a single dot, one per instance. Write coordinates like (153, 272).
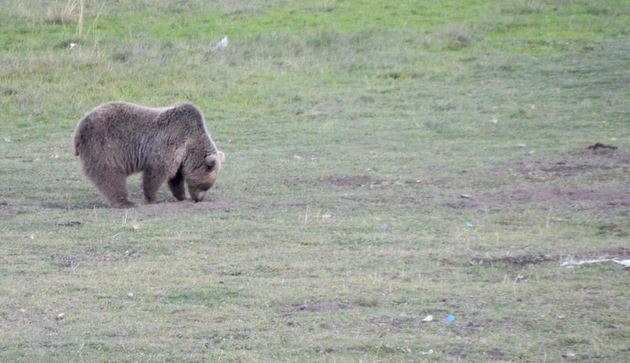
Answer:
(118, 139)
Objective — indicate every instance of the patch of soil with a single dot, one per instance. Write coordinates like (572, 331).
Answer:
(351, 181)
(524, 260)
(538, 258)
(324, 306)
(559, 198)
(70, 224)
(598, 162)
(599, 146)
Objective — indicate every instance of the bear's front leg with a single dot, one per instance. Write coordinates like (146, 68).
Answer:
(152, 179)
(176, 185)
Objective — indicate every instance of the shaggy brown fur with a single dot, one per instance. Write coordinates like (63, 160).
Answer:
(117, 139)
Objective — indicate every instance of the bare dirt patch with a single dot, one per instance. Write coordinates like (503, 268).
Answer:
(549, 197)
(523, 260)
(596, 162)
(539, 258)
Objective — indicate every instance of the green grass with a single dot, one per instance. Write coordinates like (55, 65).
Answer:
(351, 129)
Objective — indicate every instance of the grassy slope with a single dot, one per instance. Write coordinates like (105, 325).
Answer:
(324, 110)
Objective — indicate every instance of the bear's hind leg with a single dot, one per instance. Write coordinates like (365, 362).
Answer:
(114, 187)
(176, 185)
(151, 182)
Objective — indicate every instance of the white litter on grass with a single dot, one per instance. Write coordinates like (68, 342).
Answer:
(222, 44)
(72, 45)
(427, 352)
(428, 318)
(573, 263)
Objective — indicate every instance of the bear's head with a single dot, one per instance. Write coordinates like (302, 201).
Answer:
(203, 176)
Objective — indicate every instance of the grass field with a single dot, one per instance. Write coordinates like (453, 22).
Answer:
(386, 161)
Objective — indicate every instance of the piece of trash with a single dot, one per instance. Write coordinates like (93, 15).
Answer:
(60, 316)
(297, 157)
(73, 45)
(384, 227)
(531, 152)
(426, 352)
(494, 120)
(573, 263)
(222, 44)
(428, 318)
(326, 216)
(568, 355)
(450, 319)
(466, 196)
(469, 225)
(32, 236)
(6, 139)
(130, 294)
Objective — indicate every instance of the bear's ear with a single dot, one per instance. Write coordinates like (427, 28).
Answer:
(211, 161)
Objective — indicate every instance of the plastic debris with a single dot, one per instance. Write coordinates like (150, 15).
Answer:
(469, 225)
(60, 316)
(450, 319)
(573, 263)
(428, 318)
(384, 227)
(222, 44)
(465, 196)
(130, 294)
(426, 352)
(72, 45)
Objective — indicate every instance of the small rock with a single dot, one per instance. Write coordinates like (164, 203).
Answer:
(466, 196)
